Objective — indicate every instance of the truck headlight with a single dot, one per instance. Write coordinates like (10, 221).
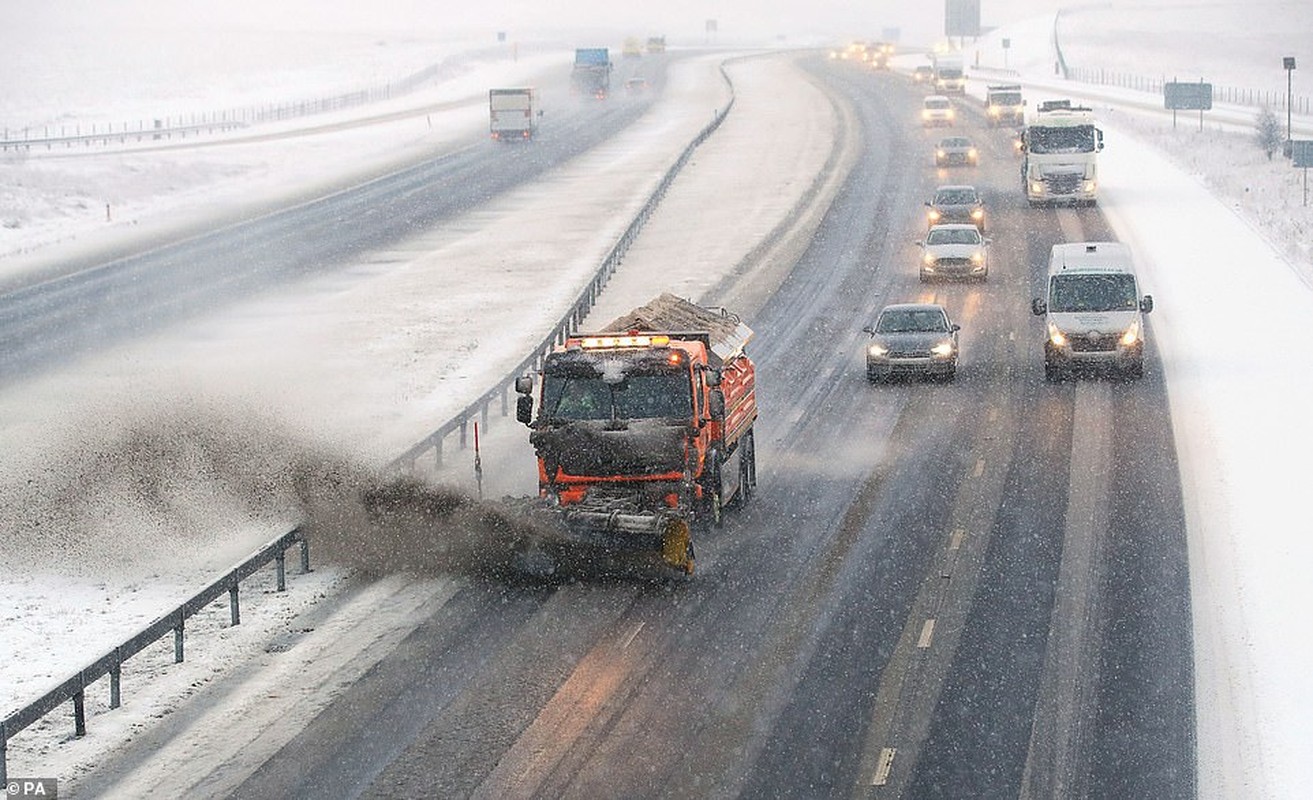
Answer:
(1132, 334)
(943, 349)
(978, 214)
(1036, 187)
(1089, 186)
(1056, 336)
(933, 216)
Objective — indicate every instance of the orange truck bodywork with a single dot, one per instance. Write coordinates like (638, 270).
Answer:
(667, 440)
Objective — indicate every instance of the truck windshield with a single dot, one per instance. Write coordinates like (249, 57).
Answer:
(652, 396)
(1092, 293)
(1075, 139)
(1005, 99)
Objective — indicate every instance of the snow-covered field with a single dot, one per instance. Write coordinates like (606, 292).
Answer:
(1213, 223)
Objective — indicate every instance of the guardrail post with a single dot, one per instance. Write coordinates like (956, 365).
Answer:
(280, 568)
(483, 417)
(463, 424)
(235, 611)
(80, 714)
(305, 555)
(4, 754)
(505, 402)
(115, 681)
(177, 639)
(437, 452)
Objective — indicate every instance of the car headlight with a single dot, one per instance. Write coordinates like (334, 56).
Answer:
(925, 114)
(1132, 334)
(949, 113)
(928, 259)
(994, 111)
(1056, 336)
(877, 350)
(940, 153)
(943, 349)
(972, 153)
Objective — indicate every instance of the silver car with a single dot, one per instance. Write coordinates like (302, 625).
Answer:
(956, 150)
(912, 339)
(955, 250)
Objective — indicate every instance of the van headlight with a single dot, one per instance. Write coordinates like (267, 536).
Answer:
(928, 259)
(1056, 336)
(977, 258)
(1132, 335)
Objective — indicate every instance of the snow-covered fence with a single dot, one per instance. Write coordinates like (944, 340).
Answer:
(1258, 98)
(111, 664)
(587, 298)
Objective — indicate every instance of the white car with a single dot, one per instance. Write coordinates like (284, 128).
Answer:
(937, 110)
(954, 250)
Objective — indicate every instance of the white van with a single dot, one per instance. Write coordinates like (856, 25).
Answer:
(1093, 310)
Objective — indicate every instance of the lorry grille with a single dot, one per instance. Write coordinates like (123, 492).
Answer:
(1063, 184)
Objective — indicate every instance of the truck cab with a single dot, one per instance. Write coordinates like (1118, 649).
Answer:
(1060, 150)
(1004, 105)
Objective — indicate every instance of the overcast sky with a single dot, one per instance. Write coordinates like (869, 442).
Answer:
(796, 20)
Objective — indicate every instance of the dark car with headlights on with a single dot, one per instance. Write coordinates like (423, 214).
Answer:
(956, 150)
(912, 339)
(955, 250)
(956, 203)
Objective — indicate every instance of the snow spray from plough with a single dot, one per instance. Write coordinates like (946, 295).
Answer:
(644, 431)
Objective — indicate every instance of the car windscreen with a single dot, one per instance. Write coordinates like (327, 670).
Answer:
(927, 320)
(955, 197)
(1116, 292)
(953, 236)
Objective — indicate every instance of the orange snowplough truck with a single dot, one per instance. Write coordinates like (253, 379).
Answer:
(643, 431)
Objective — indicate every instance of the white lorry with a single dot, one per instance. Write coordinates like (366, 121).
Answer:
(1093, 310)
(950, 74)
(513, 114)
(1004, 105)
(1059, 150)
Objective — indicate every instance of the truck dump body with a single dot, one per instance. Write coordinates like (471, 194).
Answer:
(636, 425)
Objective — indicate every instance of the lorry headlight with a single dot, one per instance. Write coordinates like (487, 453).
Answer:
(1057, 337)
(933, 216)
(1132, 334)
(943, 349)
(978, 214)
(1089, 186)
(1036, 187)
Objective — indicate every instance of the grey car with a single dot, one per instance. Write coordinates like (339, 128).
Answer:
(956, 203)
(912, 339)
(958, 150)
(955, 250)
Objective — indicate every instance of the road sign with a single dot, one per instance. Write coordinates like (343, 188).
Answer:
(1188, 96)
(1301, 153)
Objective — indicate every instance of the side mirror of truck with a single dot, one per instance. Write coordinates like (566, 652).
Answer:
(1146, 303)
(524, 384)
(712, 377)
(716, 404)
(1038, 307)
(524, 409)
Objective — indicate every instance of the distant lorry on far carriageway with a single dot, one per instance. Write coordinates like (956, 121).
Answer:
(644, 431)
(592, 72)
(950, 74)
(1059, 155)
(513, 114)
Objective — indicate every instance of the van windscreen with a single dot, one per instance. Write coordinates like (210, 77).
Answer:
(1092, 292)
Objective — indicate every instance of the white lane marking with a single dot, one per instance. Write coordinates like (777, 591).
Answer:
(956, 542)
(632, 634)
(881, 776)
(927, 634)
(979, 470)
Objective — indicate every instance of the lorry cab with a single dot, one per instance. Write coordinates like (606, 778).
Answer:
(1093, 310)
